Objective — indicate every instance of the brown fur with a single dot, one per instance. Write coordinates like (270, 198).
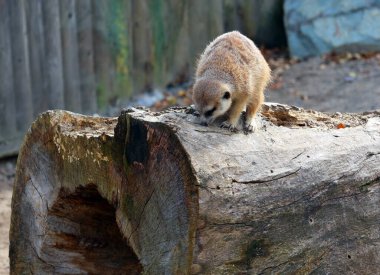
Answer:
(232, 62)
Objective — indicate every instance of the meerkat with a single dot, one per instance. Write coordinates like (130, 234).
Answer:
(231, 76)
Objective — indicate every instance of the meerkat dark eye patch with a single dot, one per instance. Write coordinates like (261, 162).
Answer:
(210, 112)
(226, 95)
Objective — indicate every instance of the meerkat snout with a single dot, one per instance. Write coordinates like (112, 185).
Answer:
(231, 76)
(212, 99)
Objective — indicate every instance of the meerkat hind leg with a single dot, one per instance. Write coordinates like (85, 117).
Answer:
(253, 106)
(249, 124)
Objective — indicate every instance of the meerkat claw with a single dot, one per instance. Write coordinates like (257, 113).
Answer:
(229, 126)
(248, 129)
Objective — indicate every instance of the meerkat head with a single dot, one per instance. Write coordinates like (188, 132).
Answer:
(212, 98)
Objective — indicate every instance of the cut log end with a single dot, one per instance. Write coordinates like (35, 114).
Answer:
(160, 194)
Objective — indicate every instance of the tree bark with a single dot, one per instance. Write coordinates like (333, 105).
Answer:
(157, 193)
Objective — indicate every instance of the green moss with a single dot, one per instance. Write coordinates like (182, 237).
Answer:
(128, 205)
(101, 96)
(255, 249)
(117, 30)
(364, 187)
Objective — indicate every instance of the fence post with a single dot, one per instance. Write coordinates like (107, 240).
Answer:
(7, 103)
(21, 73)
(86, 55)
(70, 55)
(53, 57)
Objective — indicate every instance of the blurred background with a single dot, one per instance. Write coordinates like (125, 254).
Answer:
(98, 56)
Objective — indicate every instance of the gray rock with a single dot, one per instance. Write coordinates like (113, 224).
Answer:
(315, 27)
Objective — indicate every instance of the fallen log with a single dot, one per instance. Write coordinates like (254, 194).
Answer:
(157, 193)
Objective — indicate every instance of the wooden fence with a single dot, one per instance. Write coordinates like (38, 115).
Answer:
(87, 55)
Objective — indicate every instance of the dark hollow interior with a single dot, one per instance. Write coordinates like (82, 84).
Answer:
(83, 237)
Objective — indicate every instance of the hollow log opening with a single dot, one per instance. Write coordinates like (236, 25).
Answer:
(83, 236)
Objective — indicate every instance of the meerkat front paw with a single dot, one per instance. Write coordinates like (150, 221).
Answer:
(249, 128)
(227, 125)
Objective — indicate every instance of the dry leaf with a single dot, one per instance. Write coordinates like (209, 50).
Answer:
(341, 126)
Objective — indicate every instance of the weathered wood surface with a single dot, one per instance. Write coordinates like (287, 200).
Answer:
(298, 196)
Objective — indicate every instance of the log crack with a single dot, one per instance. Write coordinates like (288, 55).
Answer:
(299, 154)
(31, 182)
(39, 193)
(39, 257)
(240, 224)
(142, 213)
(267, 180)
(273, 267)
(371, 154)
(343, 197)
(214, 132)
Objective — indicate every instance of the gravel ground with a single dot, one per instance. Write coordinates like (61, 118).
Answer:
(330, 85)
(343, 84)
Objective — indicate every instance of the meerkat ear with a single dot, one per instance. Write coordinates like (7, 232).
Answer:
(226, 95)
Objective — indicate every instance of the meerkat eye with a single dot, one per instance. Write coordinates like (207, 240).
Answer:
(210, 112)
(226, 95)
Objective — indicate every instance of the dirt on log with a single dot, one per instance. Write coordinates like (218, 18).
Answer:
(157, 193)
